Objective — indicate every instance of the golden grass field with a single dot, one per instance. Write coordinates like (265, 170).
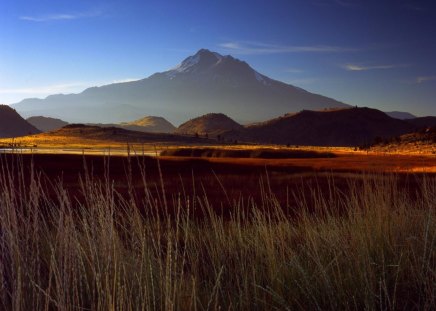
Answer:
(379, 159)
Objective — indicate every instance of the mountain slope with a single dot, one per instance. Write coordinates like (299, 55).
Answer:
(346, 127)
(203, 83)
(13, 125)
(400, 115)
(212, 124)
(46, 124)
(423, 122)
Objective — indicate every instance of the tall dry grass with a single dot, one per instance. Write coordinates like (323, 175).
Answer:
(371, 249)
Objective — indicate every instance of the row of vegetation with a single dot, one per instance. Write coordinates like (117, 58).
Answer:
(370, 249)
(262, 153)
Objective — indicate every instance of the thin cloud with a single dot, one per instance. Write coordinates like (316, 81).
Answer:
(246, 48)
(355, 67)
(47, 89)
(62, 88)
(423, 79)
(58, 17)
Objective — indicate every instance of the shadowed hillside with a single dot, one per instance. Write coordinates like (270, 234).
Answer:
(346, 127)
(400, 115)
(46, 124)
(423, 122)
(13, 125)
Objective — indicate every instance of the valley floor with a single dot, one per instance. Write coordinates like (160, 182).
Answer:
(337, 159)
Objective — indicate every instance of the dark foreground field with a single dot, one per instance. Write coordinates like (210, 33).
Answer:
(132, 233)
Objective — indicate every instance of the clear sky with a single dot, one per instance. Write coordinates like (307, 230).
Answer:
(380, 54)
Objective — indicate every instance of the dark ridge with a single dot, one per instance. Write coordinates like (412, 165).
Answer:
(345, 127)
(13, 125)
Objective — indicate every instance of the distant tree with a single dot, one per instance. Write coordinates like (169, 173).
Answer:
(206, 135)
(196, 135)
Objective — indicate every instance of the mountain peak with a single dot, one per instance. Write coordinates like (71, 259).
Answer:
(212, 65)
(208, 53)
(200, 61)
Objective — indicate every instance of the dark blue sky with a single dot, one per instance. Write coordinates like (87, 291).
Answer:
(368, 53)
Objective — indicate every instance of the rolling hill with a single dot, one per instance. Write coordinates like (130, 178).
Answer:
(46, 124)
(150, 124)
(423, 122)
(146, 124)
(212, 124)
(400, 115)
(203, 83)
(344, 127)
(115, 134)
(13, 125)
(87, 136)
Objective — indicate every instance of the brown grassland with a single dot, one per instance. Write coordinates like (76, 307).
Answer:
(348, 230)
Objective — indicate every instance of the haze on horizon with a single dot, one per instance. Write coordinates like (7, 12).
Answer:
(364, 53)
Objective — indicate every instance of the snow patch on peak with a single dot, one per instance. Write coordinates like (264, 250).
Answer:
(217, 55)
(261, 78)
(258, 77)
(185, 65)
(207, 52)
(190, 63)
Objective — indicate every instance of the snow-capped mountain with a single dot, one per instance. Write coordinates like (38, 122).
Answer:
(213, 66)
(203, 83)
